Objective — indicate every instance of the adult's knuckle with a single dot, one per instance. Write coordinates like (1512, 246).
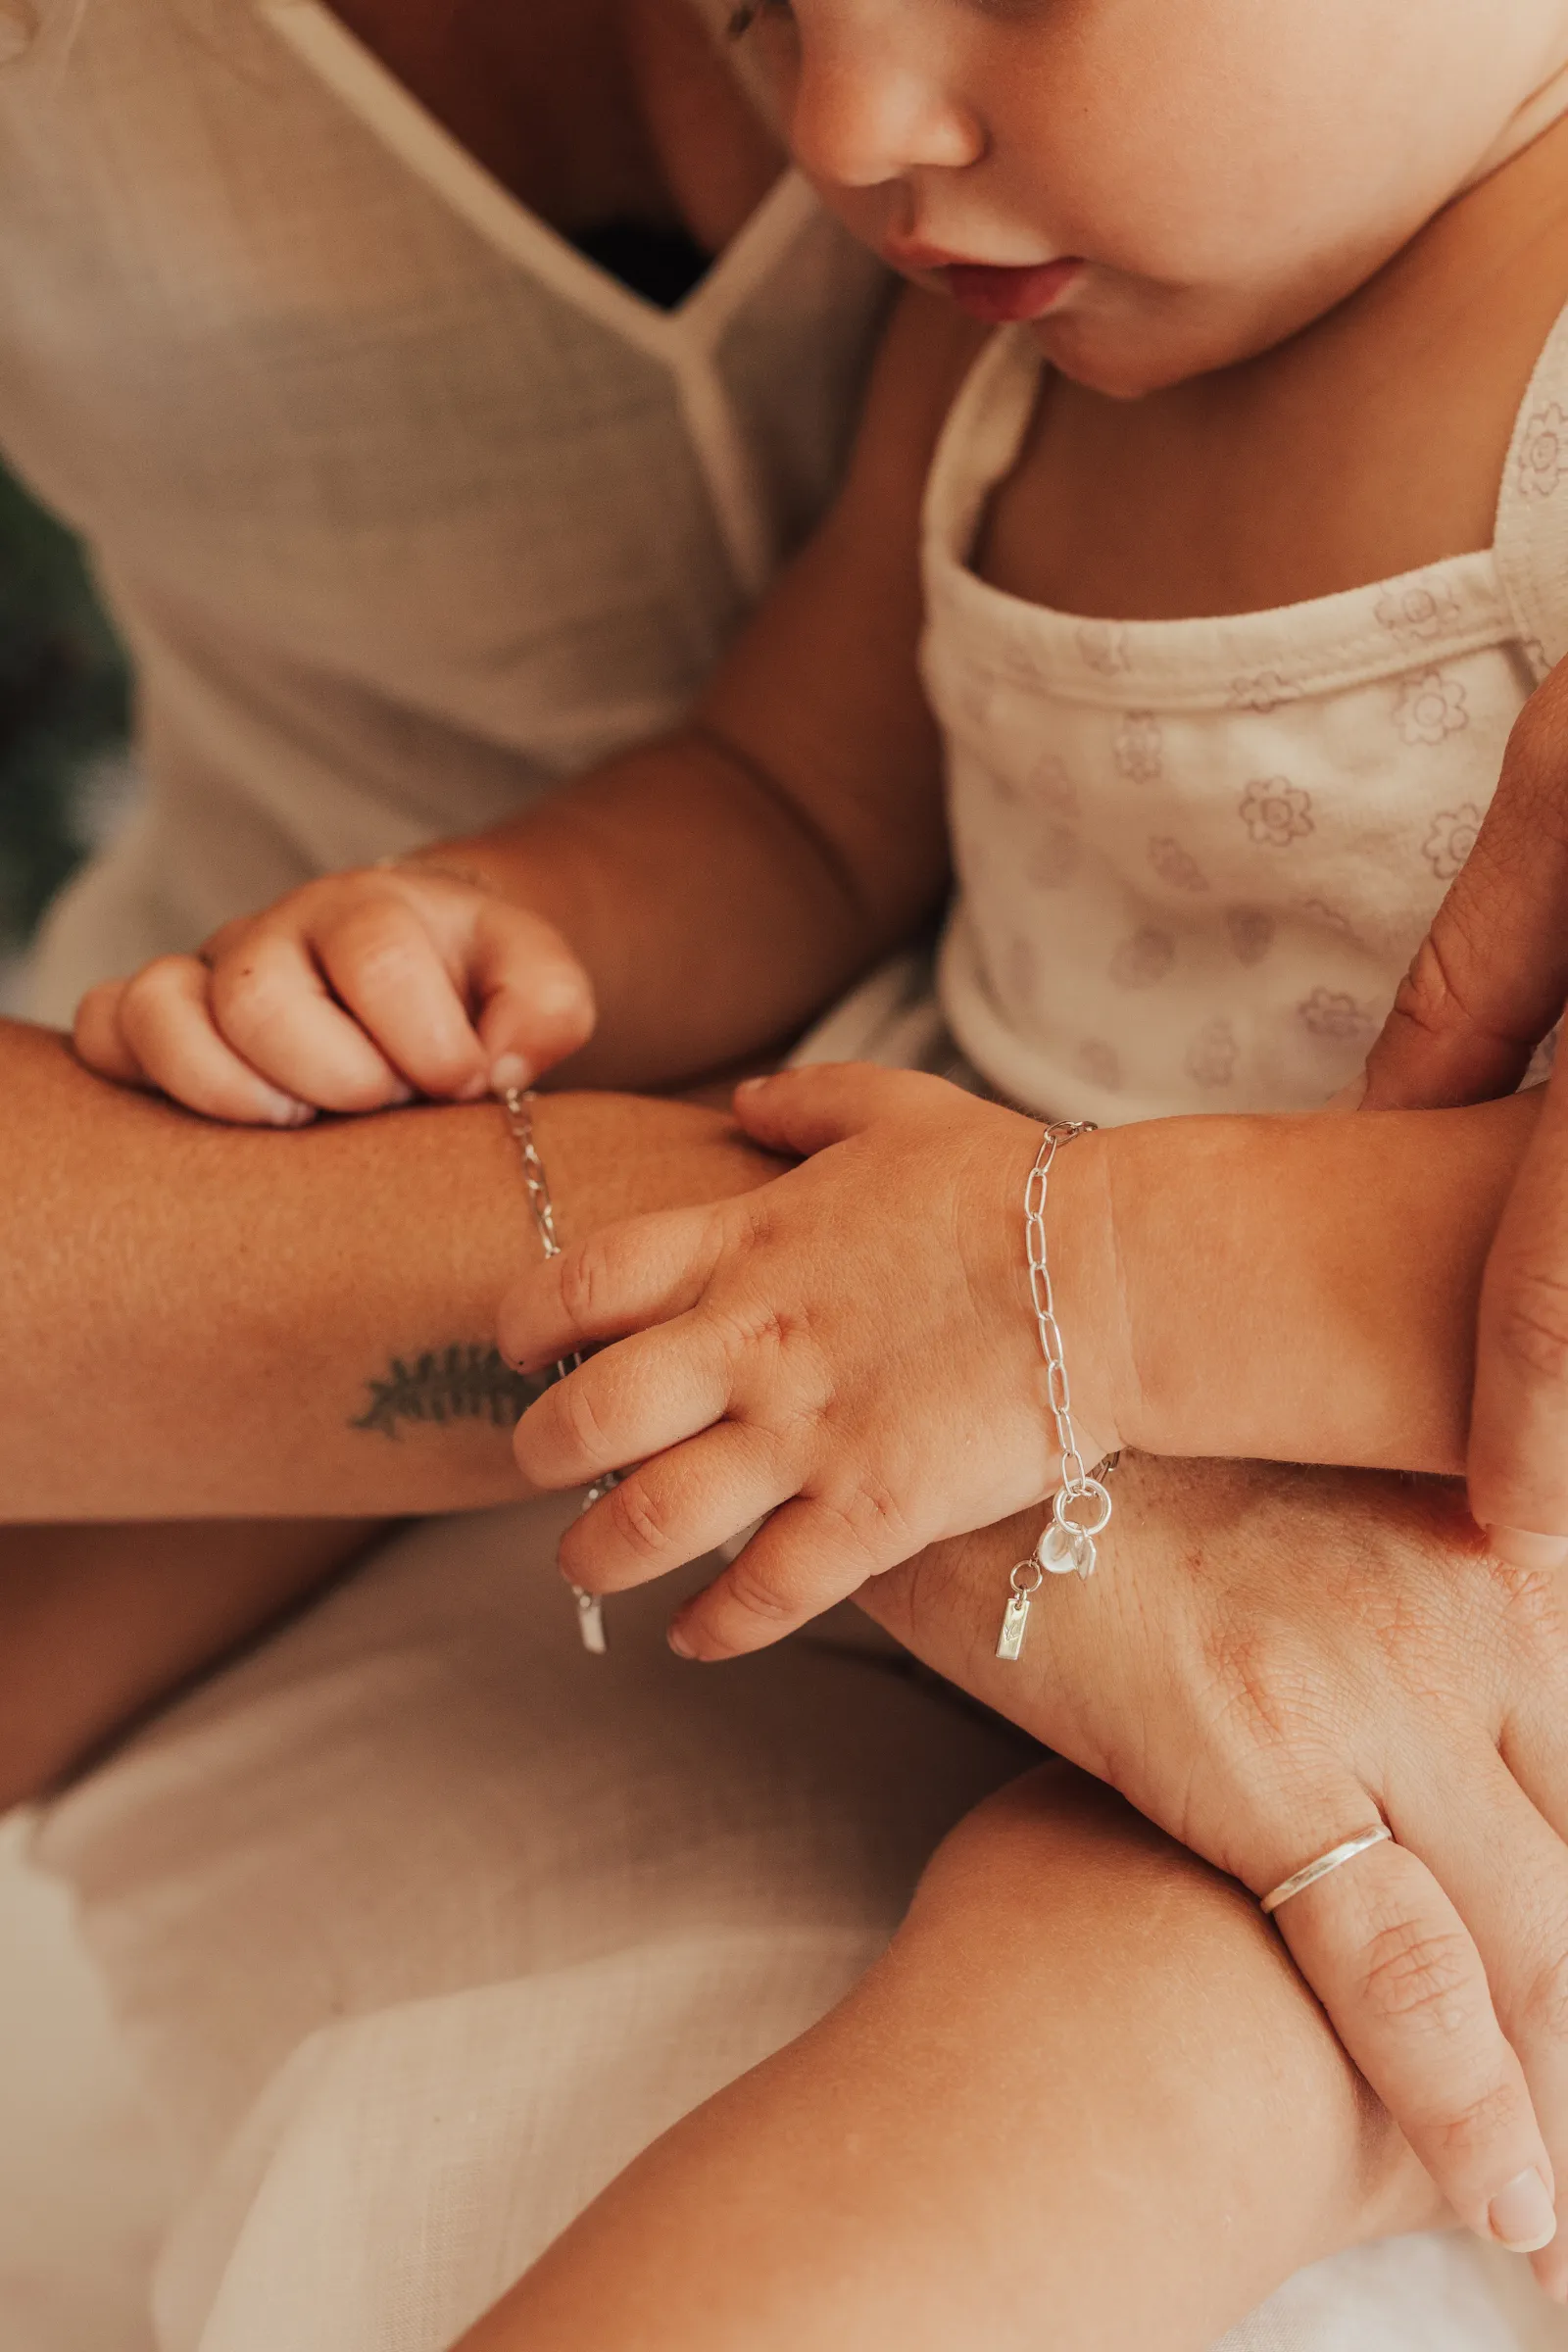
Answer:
(1459, 2133)
(873, 1522)
(1529, 1322)
(1415, 1972)
(1544, 2003)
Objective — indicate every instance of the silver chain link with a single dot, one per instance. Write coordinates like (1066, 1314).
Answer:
(1067, 1544)
(517, 1104)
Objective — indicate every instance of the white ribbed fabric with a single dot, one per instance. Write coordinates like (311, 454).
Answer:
(1196, 855)
(406, 508)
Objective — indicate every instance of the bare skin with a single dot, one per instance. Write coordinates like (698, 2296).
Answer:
(1108, 2140)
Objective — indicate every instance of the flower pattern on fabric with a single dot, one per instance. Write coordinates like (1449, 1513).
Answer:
(1099, 1063)
(1430, 708)
(1103, 647)
(1262, 691)
(1211, 1056)
(1252, 932)
(1276, 811)
(1141, 748)
(1319, 913)
(1143, 960)
(1174, 865)
(1450, 841)
(1543, 452)
(1419, 610)
(1331, 1012)
(1054, 856)
(1051, 787)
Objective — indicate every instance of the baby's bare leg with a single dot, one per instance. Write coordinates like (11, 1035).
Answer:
(1083, 2100)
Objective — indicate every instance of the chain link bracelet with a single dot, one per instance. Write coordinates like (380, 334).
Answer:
(517, 1104)
(1082, 1507)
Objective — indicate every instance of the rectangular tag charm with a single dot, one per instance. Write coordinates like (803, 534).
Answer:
(591, 1624)
(1009, 1642)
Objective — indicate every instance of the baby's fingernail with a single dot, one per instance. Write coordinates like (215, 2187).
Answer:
(1522, 1549)
(1522, 2215)
(509, 1070)
(285, 1111)
(751, 1086)
(474, 1089)
(1352, 1097)
(679, 1644)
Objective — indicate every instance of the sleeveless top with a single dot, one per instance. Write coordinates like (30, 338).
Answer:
(1197, 857)
(406, 509)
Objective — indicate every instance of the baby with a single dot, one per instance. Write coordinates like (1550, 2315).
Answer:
(1257, 355)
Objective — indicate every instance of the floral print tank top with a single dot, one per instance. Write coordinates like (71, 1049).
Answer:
(1196, 856)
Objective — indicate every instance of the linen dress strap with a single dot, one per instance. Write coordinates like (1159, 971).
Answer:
(1531, 545)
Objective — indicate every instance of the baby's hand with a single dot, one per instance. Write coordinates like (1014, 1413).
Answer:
(850, 1348)
(352, 994)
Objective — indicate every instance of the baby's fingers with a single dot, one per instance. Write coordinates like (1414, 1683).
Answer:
(674, 1509)
(386, 969)
(809, 1555)
(643, 1271)
(269, 1003)
(536, 1002)
(637, 1399)
(157, 1030)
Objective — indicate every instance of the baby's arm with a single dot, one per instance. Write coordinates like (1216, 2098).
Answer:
(707, 893)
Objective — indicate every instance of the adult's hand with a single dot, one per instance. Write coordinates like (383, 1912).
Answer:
(1489, 982)
(1267, 1662)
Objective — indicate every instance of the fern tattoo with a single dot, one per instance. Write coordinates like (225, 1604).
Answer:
(472, 1383)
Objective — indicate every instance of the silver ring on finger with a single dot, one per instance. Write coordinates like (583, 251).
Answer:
(1335, 1859)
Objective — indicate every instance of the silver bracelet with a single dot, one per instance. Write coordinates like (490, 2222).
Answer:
(519, 1107)
(1082, 1509)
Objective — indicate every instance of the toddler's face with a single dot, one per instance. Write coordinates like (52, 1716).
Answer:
(1163, 185)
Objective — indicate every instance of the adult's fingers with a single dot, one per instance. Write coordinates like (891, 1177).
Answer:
(536, 1001)
(1403, 1984)
(643, 1270)
(1468, 1016)
(637, 1399)
(386, 969)
(157, 1030)
(674, 1509)
(270, 1003)
(1518, 1454)
(1506, 1870)
(810, 1553)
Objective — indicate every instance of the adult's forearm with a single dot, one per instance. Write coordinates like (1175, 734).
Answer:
(208, 1321)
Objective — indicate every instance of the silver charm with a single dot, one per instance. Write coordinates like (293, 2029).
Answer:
(1064, 1548)
(591, 1622)
(1015, 1622)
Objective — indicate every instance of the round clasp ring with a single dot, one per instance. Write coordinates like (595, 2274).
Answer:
(1088, 1490)
(1023, 1568)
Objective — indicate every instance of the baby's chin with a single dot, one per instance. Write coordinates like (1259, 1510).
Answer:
(1128, 347)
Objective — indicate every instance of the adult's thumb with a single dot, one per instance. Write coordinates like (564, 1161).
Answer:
(1490, 977)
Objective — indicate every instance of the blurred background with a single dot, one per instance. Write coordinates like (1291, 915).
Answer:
(63, 718)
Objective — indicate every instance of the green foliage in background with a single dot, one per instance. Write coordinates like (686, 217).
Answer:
(63, 705)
